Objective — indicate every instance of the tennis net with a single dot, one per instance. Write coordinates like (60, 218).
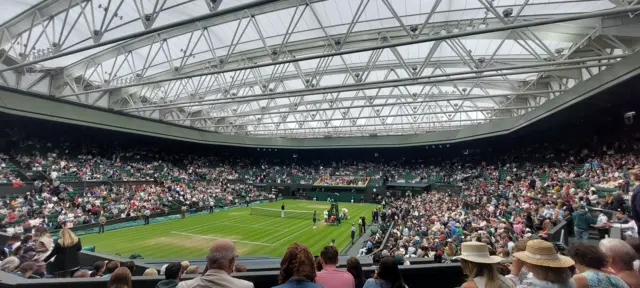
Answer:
(294, 214)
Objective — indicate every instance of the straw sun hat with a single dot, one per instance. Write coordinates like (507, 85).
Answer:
(477, 252)
(542, 253)
(635, 170)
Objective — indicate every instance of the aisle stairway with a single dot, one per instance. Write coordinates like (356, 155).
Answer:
(352, 250)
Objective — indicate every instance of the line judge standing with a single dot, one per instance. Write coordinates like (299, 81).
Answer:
(147, 213)
(282, 210)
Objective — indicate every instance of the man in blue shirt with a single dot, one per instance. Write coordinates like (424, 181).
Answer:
(369, 246)
(452, 230)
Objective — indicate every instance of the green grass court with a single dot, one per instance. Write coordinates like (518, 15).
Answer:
(253, 235)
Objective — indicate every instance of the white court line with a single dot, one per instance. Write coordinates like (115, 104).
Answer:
(294, 234)
(218, 222)
(208, 224)
(218, 238)
(252, 226)
(285, 231)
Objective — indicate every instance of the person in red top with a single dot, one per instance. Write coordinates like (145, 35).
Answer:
(11, 216)
(330, 276)
(16, 183)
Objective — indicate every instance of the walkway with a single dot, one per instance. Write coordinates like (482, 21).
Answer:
(352, 250)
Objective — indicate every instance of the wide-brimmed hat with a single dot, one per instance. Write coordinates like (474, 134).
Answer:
(635, 170)
(542, 253)
(477, 252)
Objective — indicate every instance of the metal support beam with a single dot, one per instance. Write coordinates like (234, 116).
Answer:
(220, 13)
(335, 53)
(374, 124)
(442, 97)
(395, 82)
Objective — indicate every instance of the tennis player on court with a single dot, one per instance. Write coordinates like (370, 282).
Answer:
(314, 219)
(282, 210)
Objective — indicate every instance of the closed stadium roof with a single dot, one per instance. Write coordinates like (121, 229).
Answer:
(311, 68)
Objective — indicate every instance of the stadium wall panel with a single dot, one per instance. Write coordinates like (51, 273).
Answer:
(23, 103)
(7, 189)
(437, 275)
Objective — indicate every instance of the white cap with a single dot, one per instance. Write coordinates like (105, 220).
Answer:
(164, 267)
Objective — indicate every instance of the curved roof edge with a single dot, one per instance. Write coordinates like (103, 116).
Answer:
(18, 102)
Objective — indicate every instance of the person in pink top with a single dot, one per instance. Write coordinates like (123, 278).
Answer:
(330, 276)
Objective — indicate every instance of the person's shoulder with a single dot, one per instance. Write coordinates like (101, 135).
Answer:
(370, 283)
(241, 283)
(581, 280)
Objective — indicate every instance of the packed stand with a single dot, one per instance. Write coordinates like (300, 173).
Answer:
(502, 204)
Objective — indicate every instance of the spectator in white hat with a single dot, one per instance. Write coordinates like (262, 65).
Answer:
(481, 268)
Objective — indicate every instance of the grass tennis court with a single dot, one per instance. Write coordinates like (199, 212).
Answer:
(253, 235)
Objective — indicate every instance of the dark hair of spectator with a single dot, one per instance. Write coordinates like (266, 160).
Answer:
(40, 230)
(297, 262)
(27, 238)
(329, 255)
(15, 238)
(172, 271)
(17, 251)
(121, 278)
(112, 266)
(318, 265)
(587, 255)
(388, 271)
(98, 268)
(129, 265)
(355, 269)
(3, 254)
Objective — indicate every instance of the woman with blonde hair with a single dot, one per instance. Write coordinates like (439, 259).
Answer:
(150, 272)
(121, 278)
(481, 268)
(66, 252)
(191, 270)
(547, 269)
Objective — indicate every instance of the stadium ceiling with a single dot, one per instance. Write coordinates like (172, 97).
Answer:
(313, 68)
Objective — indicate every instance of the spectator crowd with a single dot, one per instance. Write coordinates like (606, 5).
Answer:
(506, 204)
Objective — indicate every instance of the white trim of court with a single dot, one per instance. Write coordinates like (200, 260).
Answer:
(217, 223)
(219, 238)
(285, 231)
(242, 225)
(294, 234)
